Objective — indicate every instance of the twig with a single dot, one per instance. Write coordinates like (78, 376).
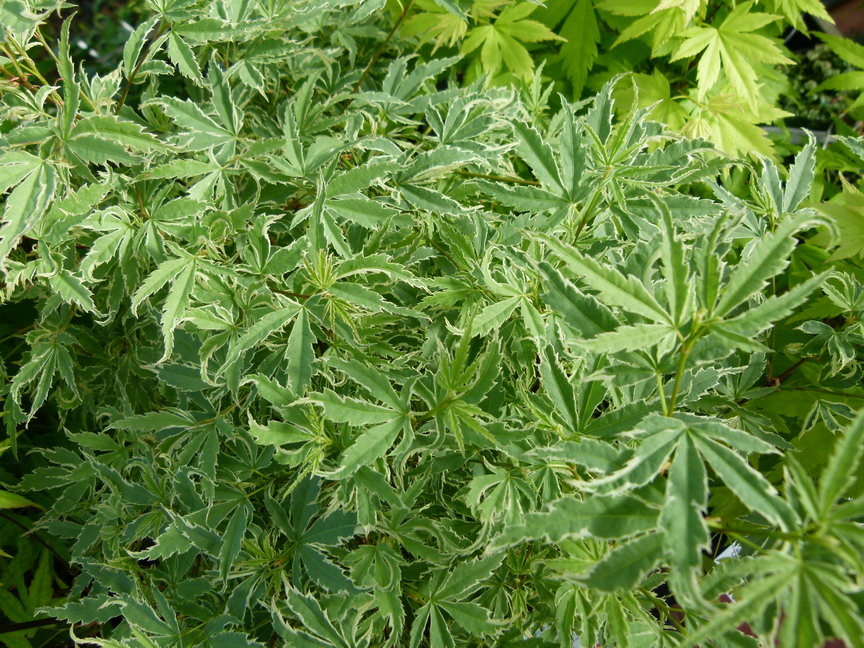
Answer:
(38, 539)
(26, 625)
(381, 47)
(135, 70)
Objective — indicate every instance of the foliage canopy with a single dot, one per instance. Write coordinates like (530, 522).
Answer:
(309, 352)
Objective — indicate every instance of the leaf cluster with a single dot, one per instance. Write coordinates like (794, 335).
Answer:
(307, 351)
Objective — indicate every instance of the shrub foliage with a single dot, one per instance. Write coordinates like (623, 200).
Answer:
(314, 352)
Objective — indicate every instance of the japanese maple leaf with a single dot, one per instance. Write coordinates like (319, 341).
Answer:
(502, 40)
(732, 48)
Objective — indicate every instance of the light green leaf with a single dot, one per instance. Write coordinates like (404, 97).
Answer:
(13, 500)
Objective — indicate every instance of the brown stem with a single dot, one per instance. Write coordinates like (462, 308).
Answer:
(135, 70)
(774, 381)
(38, 539)
(381, 47)
(27, 625)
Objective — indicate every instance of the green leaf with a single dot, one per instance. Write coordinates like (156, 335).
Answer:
(843, 464)
(749, 485)
(300, 354)
(629, 338)
(675, 274)
(260, 331)
(801, 175)
(184, 58)
(352, 410)
(751, 600)
(72, 291)
(569, 518)
(126, 133)
(493, 316)
(24, 206)
(626, 565)
(203, 132)
(768, 258)
(583, 313)
(755, 320)
(152, 422)
(313, 617)
(13, 500)
(135, 45)
(538, 155)
(232, 541)
(472, 617)
(613, 287)
(175, 304)
(684, 532)
(467, 577)
(373, 380)
(369, 446)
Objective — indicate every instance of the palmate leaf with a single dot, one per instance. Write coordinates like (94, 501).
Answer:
(626, 564)
(180, 273)
(501, 41)
(27, 202)
(575, 21)
(613, 287)
(567, 518)
(768, 258)
(732, 48)
(685, 534)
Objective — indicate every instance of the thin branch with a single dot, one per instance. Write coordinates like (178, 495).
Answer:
(27, 625)
(37, 538)
(137, 67)
(381, 47)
